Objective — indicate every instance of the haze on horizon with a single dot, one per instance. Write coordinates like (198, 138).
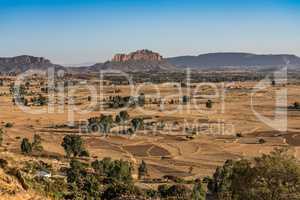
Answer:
(71, 32)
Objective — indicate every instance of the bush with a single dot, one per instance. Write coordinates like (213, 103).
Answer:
(3, 163)
(261, 141)
(8, 125)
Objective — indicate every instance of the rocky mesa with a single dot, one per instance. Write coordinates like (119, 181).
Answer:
(139, 55)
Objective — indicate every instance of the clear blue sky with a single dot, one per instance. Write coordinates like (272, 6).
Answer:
(82, 31)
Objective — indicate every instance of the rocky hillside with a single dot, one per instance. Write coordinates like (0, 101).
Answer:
(24, 63)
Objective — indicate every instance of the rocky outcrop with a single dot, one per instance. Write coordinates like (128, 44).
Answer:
(139, 55)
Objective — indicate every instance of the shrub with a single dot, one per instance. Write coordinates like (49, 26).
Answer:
(3, 163)
(8, 125)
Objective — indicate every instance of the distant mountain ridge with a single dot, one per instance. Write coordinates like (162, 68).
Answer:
(146, 61)
(23, 63)
(212, 60)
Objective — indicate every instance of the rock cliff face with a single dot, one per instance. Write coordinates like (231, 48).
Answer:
(141, 60)
(139, 55)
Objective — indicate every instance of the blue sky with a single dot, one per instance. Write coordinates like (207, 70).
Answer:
(82, 31)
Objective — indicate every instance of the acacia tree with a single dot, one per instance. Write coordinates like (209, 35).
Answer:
(73, 146)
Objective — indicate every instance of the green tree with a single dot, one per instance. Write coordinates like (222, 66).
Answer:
(117, 170)
(137, 123)
(142, 170)
(73, 145)
(26, 146)
(105, 123)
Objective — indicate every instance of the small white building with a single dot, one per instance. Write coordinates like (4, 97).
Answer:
(43, 174)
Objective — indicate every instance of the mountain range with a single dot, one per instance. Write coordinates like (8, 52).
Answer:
(146, 60)
(217, 60)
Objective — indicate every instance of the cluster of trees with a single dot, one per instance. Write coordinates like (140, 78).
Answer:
(27, 147)
(74, 146)
(127, 101)
(104, 179)
(112, 179)
(38, 100)
(180, 77)
(119, 101)
(270, 177)
(104, 123)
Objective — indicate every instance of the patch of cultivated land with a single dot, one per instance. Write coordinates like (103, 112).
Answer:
(167, 150)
